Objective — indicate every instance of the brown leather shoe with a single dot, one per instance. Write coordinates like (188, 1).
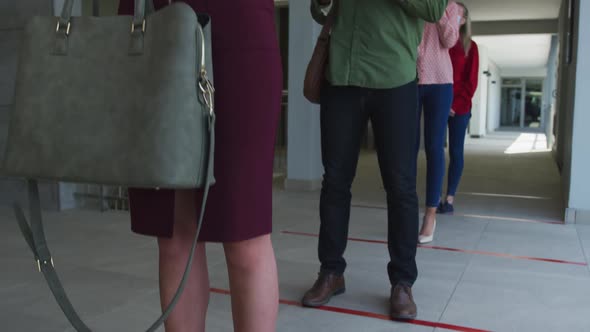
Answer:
(327, 285)
(402, 303)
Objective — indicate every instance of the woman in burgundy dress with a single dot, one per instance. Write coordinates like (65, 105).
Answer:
(248, 82)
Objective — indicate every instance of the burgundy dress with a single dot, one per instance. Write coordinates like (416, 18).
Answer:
(248, 83)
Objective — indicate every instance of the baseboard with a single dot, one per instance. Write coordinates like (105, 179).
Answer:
(577, 216)
(303, 185)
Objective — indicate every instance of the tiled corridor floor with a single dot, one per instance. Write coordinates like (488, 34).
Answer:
(503, 262)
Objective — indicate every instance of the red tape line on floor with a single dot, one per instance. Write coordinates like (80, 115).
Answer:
(474, 252)
(370, 315)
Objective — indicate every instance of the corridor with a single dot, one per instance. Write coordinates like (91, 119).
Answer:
(503, 262)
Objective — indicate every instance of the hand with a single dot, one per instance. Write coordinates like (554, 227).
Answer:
(460, 14)
(461, 10)
(452, 114)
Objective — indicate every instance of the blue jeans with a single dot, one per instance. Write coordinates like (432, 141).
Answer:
(457, 130)
(435, 100)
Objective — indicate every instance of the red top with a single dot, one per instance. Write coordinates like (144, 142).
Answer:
(465, 76)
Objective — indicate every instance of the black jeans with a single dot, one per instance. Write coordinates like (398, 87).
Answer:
(345, 112)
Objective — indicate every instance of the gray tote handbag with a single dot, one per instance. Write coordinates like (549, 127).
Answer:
(112, 100)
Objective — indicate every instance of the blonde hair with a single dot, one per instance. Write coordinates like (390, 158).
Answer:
(465, 31)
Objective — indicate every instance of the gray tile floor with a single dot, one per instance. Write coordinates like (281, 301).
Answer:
(487, 269)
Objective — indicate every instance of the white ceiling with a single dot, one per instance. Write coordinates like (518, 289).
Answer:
(499, 10)
(517, 51)
(511, 51)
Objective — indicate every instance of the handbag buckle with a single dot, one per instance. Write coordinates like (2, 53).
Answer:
(134, 26)
(44, 263)
(67, 27)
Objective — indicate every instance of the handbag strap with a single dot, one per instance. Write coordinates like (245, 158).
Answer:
(35, 236)
(330, 20)
(142, 7)
(138, 26)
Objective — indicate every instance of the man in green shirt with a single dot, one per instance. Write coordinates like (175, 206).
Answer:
(372, 75)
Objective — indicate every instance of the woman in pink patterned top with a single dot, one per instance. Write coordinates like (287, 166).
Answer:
(435, 74)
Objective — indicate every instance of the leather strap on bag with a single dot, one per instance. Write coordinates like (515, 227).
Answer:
(35, 236)
(316, 69)
(140, 11)
(330, 19)
(138, 26)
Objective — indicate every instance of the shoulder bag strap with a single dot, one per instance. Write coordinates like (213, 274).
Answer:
(35, 235)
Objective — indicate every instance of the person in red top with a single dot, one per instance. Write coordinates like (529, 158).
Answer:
(465, 59)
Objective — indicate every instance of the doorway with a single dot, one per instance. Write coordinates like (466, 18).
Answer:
(522, 100)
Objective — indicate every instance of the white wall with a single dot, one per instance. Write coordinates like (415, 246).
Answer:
(550, 90)
(304, 166)
(579, 197)
(477, 126)
(494, 97)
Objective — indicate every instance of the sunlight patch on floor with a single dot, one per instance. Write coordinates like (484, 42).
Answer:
(528, 143)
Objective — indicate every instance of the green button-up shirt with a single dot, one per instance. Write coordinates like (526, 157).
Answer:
(374, 43)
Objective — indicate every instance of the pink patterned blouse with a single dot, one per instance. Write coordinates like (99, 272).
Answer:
(434, 62)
